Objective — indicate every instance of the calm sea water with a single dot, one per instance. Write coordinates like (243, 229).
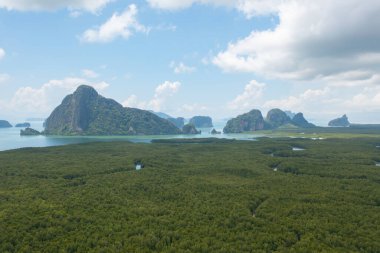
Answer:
(10, 137)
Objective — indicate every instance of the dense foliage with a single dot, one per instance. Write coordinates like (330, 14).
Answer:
(194, 195)
(85, 112)
(276, 118)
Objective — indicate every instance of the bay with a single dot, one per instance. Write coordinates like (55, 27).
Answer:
(10, 137)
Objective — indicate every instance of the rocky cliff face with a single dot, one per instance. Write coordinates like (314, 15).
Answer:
(85, 112)
(277, 118)
(254, 121)
(201, 121)
(190, 129)
(300, 121)
(251, 121)
(340, 122)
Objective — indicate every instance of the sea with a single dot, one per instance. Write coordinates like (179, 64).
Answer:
(10, 137)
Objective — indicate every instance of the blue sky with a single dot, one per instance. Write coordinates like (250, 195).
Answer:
(194, 57)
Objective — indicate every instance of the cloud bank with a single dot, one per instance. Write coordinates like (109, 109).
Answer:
(51, 5)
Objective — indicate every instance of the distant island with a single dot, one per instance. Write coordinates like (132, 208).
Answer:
(254, 121)
(340, 122)
(25, 124)
(29, 132)
(5, 124)
(178, 122)
(85, 112)
(190, 129)
(201, 121)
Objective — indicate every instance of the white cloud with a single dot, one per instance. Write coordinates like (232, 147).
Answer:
(2, 53)
(192, 108)
(309, 99)
(161, 95)
(89, 73)
(50, 5)
(4, 77)
(248, 7)
(250, 97)
(43, 99)
(313, 41)
(180, 68)
(119, 25)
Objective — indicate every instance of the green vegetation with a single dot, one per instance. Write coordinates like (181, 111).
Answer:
(354, 131)
(275, 119)
(85, 112)
(198, 195)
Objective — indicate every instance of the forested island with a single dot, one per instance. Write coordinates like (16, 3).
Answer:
(254, 121)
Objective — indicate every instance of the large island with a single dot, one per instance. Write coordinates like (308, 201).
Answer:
(85, 112)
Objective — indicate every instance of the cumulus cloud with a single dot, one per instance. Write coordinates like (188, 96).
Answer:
(192, 108)
(89, 73)
(43, 99)
(313, 41)
(119, 25)
(250, 97)
(248, 7)
(309, 99)
(161, 95)
(50, 5)
(2, 53)
(181, 68)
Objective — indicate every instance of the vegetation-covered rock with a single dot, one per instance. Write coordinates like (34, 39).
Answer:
(25, 124)
(213, 131)
(161, 114)
(277, 118)
(300, 121)
(85, 112)
(201, 121)
(29, 132)
(5, 124)
(178, 122)
(251, 121)
(340, 122)
(190, 129)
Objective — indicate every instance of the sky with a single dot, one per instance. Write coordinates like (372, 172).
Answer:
(194, 57)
